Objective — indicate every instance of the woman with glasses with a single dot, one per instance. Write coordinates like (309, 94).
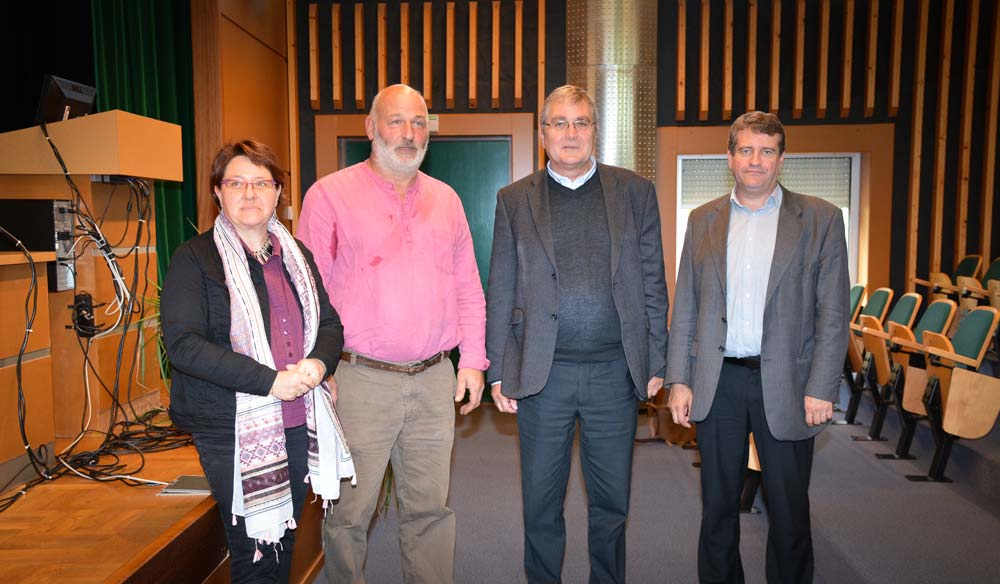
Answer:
(251, 337)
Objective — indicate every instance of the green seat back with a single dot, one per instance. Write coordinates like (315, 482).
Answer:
(902, 312)
(972, 333)
(968, 266)
(993, 273)
(876, 303)
(857, 291)
(933, 319)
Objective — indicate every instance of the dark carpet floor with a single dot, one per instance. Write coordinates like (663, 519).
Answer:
(870, 524)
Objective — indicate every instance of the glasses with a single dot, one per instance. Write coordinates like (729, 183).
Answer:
(259, 186)
(563, 125)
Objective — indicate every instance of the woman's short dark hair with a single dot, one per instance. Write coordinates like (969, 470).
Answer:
(257, 152)
(759, 123)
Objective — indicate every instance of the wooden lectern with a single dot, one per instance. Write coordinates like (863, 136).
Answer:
(113, 143)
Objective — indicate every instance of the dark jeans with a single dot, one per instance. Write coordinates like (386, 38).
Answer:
(737, 410)
(601, 397)
(216, 453)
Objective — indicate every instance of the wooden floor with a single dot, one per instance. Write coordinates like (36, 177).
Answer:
(76, 530)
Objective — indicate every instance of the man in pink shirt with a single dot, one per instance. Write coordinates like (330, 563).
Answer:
(394, 250)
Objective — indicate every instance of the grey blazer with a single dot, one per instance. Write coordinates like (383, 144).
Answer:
(523, 295)
(806, 311)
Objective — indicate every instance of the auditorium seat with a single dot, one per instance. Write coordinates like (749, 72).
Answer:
(877, 306)
(959, 401)
(973, 291)
(940, 285)
(877, 369)
(907, 380)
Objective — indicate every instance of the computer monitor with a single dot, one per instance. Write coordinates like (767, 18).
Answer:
(63, 99)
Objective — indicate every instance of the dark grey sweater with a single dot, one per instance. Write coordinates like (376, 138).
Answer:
(589, 326)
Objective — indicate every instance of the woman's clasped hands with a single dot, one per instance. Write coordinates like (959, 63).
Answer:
(297, 379)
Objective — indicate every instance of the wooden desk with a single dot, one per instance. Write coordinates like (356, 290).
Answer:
(75, 530)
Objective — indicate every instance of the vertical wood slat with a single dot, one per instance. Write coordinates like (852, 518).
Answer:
(916, 146)
(941, 138)
(518, 53)
(727, 79)
(314, 56)
(989, 161)
(775, 55)
(382, 43)
(962, 206)
(449, 56)
(897, 55)
(359, 55)
(751, 55)
(338, 54)
(703, 94)
(473, 61)
(428, 53)
(681, 42)
(404, 43)
(541, 73)
(847, 61)
(495, 77)
(293, 191)
(871, 57)
(800, 58)
(824, 58)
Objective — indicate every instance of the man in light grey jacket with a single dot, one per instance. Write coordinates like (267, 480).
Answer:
(760, 330)
(576, 331)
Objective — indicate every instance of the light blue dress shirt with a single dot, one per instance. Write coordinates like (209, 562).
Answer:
(749, 249)
(573, 183)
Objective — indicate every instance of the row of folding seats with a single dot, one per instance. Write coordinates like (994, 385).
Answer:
(929, 372)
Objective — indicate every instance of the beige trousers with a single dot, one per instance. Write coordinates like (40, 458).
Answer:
(408, 420)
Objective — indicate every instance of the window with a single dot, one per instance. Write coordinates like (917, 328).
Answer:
(834, 177)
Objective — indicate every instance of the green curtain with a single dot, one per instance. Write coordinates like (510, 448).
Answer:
(142, 63)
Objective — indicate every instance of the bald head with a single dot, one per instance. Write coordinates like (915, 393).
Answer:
(396, 95)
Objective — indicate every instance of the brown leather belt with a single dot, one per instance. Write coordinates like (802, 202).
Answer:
(409, 369)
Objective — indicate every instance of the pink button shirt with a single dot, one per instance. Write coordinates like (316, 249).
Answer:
(401, 274)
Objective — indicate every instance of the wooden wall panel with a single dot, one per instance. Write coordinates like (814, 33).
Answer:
(37, 383)
(254, 91)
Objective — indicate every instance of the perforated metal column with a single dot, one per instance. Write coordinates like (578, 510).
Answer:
(611, 51)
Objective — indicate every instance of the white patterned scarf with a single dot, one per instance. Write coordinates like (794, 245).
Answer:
(261, 491)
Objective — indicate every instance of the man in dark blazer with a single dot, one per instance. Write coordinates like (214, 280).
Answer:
(576, 330)
(760, 330)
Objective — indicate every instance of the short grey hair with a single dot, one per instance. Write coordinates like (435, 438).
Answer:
(572, 94)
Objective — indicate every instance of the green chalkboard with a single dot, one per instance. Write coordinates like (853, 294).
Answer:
(476, 167)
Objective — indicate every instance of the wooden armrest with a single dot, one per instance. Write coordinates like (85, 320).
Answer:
(948, 287)
(855, 327)
(952, 356)
(922, 282)
(975, 290)
(876, 333)
(910, 345)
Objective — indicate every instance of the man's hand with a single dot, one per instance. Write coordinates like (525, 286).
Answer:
(680, 404)
(289, 385)
(312, 370)
(653, 387)
(818, 411)
(471, 379)
(503, 403)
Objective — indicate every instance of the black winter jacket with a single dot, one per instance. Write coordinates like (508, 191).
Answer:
(195, 316)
